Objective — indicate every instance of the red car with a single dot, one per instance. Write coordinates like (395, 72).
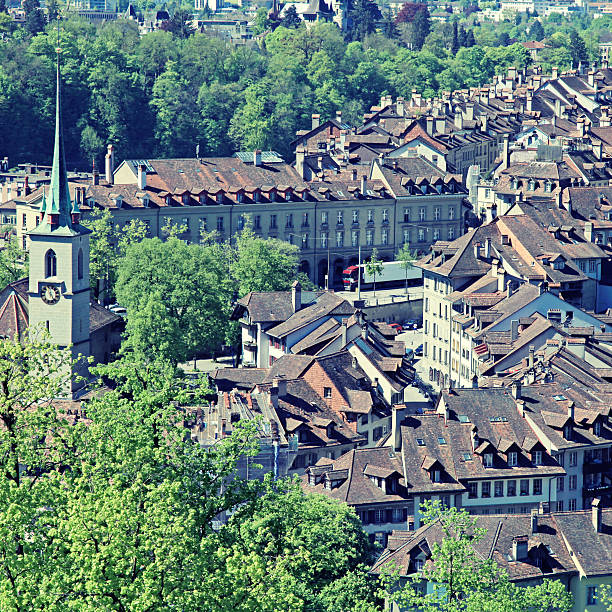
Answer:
(397, 327)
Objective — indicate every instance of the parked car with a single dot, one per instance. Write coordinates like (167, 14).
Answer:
(397, 327)
(411, 324)
(419, 351)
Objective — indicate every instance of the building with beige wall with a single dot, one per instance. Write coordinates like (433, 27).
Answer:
(331, 219)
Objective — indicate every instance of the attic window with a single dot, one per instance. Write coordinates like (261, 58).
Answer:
(487, 460)
(441, 440)
(420, 442)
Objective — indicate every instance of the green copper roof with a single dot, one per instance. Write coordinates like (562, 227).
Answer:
(57, 200)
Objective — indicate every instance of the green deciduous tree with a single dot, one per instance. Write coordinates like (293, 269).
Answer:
(461, 579)
(13, 260)
(35, 445)
(177, 298)
(293, 551)
(259, 264)
(407, 259)
(374, 266)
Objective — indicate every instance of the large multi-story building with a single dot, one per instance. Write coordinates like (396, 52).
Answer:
(332, 219)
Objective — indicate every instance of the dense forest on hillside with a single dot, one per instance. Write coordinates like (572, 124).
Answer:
(164, 93)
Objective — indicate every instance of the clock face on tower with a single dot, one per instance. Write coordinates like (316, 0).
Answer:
(50, 294)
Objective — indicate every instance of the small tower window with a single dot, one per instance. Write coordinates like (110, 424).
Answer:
(80, 264)
(50, 264)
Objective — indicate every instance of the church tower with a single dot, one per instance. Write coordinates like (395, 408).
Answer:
(59, 258)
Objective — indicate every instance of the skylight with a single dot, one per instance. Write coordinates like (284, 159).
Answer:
(420, 442)
(467, 456)
(441, 440)
(463, 418)
(559, 398)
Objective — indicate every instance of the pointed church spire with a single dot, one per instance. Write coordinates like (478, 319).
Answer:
(57, 206)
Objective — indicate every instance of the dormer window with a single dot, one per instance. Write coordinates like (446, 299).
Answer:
(256, 196)
(567, 432)
(513, 459)
(202, 198)
(531, 185)
(487, 460)
(597, 428)
(435, 475)
(537, 457)
(168, 200)
(418, 565)
(240, 197)
(548, 187)
(185, 198)
(219, 198)
(273, 196)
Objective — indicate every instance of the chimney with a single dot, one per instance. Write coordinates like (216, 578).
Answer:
(570, 410)
(520, 406)
(95, 178)
(281, 386)
(514, 325)
(364, 331)
(430, 125)
(440, 125)
(257, 157)
(529, 106)
(300, 162)
(396, 431)
(531, 355)
(364, 185)
(516, 389)
(520, 547)
(509, 289)
(344, 329)
(296, 296)
(484, 123)
(109, 166)
(557, 107)
(505, 153)
(316, 121)
(339, 116)
(580, 127)
(354, 174)
(588, 231)
(475, 440)
(591, 78)
(597, 149)
(26, 186)
(469, 111)
(142, 177)
(596, 514)
(487, 248)
(458, 119)
(534, 521)
(274, 395)
(555, 73)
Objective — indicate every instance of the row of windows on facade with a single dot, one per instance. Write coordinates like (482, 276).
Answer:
(340, 217)
(51, 264)
(504, 488)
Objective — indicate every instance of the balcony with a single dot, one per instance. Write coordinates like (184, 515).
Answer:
(596, 490)
(593, 467)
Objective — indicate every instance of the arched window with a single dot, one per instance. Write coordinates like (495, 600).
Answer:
(80, 264)
(50, 264)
